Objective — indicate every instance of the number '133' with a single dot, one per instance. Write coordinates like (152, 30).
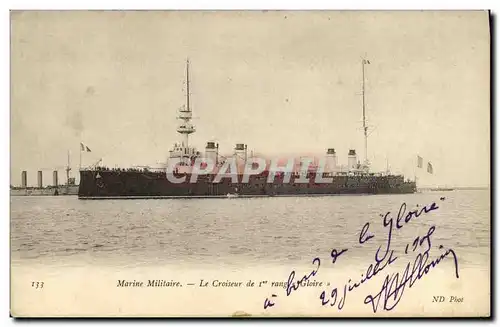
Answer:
(37, 284)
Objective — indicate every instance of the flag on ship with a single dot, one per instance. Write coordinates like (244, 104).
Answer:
(430, 170)
(84, 148)
(366, 62)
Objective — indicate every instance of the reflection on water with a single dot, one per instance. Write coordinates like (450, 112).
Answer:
(239, 232)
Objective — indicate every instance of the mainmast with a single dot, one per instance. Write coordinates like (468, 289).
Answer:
(187, 85)
(365, 128)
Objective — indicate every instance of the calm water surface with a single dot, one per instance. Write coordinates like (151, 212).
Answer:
(241, 232)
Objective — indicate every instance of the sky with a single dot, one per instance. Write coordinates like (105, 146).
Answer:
(283, 82)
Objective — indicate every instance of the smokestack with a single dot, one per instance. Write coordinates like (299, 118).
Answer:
(331, 161)
(40, 179)
(55, 181)
(240, 155)
(211, 151)
(24, 179)
(352, 160)
(239, 150)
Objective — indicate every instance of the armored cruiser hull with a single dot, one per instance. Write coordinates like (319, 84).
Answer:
(118, 184)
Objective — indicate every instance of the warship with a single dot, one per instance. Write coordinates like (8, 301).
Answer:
(70, 188)
(132, 183)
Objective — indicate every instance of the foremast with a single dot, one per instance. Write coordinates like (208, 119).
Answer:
(182, 150)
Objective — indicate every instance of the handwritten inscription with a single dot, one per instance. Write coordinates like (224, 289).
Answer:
(394, 284)
(293, 286)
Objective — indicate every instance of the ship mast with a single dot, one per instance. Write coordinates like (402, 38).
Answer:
(185, 115)
(68, 168)
(365, 128)
(187, 86)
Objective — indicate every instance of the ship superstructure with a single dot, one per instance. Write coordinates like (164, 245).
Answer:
(56, 188)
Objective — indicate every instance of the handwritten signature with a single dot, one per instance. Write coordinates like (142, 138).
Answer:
(394, 284)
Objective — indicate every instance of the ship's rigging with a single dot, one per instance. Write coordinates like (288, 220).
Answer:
(186, 154)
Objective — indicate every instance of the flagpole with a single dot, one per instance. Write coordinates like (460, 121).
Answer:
(415, 174)
(67, 171)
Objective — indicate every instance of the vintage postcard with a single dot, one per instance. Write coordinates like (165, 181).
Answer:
(250, 164)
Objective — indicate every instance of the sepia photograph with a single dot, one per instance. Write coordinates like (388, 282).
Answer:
(258, 163)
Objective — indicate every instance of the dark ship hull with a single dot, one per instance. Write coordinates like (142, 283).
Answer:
(122, 184)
